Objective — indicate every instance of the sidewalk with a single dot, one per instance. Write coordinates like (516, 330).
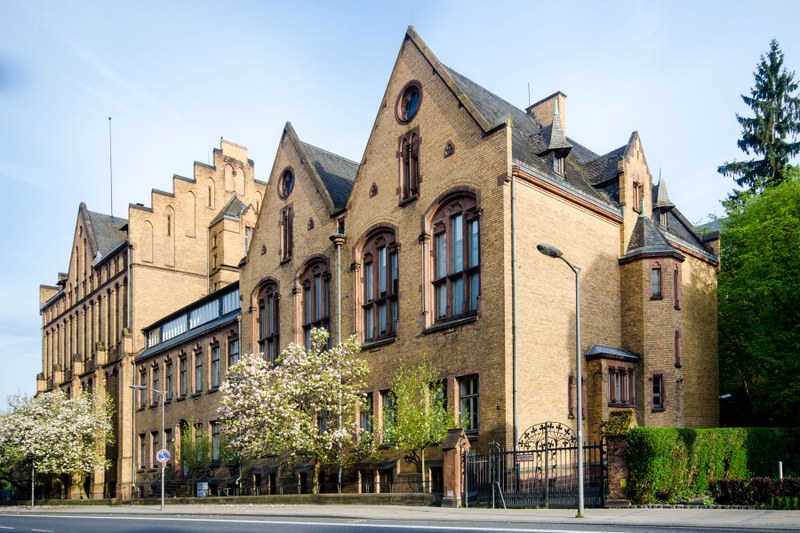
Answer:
(725, 518)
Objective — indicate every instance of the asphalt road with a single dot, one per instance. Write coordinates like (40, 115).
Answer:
(75, 523)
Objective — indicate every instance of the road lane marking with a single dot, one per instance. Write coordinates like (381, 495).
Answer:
(43, 530)
(344, 523)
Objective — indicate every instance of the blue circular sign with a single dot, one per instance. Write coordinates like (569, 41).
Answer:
(162, 456)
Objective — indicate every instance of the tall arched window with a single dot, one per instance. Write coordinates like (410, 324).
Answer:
(268, 322)
(409, 165)
(380, 286)
(455, 229)
(314, 284)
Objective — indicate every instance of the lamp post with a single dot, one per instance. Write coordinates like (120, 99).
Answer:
(161, 401)
(551, 251)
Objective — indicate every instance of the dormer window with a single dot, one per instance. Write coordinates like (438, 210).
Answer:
(558, 164)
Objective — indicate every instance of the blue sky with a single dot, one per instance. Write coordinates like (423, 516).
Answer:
(176, 76)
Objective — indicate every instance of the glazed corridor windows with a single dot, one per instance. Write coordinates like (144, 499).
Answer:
(380, 308)
(268, 325)
(316, 296)
(456, 264)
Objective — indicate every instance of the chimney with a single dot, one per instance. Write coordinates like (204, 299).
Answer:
(544, 109)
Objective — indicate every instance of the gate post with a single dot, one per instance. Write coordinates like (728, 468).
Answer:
(453, 448)
(617, 466)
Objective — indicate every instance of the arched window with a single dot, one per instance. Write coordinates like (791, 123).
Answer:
(456, 269)
(315, 298)
(268, 321)
(409, 165)
(287, 233)
(655, 281)
(380, 286)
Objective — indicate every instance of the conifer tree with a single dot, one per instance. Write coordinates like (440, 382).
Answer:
(769, 135)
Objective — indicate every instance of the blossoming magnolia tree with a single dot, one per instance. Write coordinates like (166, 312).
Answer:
(56, 434)
(293, 407)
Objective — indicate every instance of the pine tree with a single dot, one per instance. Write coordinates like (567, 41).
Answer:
(770, 134)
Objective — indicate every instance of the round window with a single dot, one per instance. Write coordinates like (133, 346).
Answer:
(408, 101)
(287, 183)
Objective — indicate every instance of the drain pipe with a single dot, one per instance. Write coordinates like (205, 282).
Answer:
(338, 240)
(514, 298)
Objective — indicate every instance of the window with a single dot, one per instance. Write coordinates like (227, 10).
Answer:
(215, 442)
(558, 165)
(658, 392)
(655, 282)
(470, 413)
(169, 444)
(571, 398)
(142, 451)
(408, 102)
(182, 377)
(233, 352)
(367, 413)
(198, 371)
(456, 263)
(143, 383)
(215, 366)
(678, 348)
(168, 383)
(676, 287)
(315, 299)
(154, 447)
(268, 322)
(169, 225)
(248, 236)
(621, 386)
(409, 165)
(155, 384)
(388, 410)
(380, 308)
(286, 185)
(287, 230)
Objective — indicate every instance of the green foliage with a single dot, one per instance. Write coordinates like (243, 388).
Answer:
(195, 446)
(759, 309)
(669, 464)
(619, 422)
(781, 494)
(770, 134)
(420, 419)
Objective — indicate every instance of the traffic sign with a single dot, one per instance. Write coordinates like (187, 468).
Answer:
(162, 456)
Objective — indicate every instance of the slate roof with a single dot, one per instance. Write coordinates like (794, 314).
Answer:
(106, 231)
(661, 196)
(336, 172)
(646, 238)
(599, 351)
(233, 209)
(529, 141)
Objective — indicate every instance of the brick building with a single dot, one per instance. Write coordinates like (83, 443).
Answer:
(425, 249)
(454, 191)
(126, 274)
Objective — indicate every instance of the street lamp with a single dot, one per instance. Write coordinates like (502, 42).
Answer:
(161, 401)
(551, 251)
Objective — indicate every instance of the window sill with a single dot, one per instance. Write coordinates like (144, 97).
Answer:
(182, 398)
(213, 389)
(621, 405)
(453, 323)
(410, 199)
(377, 343)
(657, 410)
(197, 394)
(656, 297)
(285, 260)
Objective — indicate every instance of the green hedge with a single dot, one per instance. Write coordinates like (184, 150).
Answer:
(671, 464)
(761, 491)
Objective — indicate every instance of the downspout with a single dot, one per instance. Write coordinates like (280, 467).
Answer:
(514, 315)
(208, 263)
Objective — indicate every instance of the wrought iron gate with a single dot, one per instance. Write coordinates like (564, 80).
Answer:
(541, 472)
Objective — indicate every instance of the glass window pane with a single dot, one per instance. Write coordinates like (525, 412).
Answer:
(474, 248)
(368, 333)
(271, 301)
(307, 304)
(393, 259)
(474, 291)
(382, 271)
(458, 297)
(318, 296)
(395, 314)
(458, 242)
(368, 282)
(441, 300)
(441, 255)
(382, 318)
